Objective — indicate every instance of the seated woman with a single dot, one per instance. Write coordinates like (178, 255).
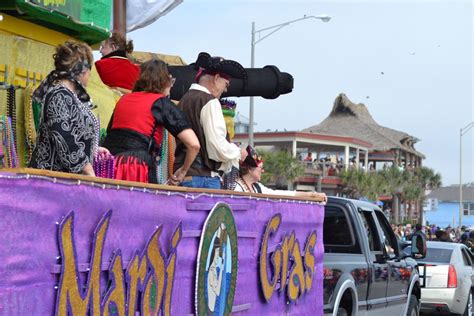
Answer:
(250, 173)
(135, 130)
(114, 68)
(68, 130)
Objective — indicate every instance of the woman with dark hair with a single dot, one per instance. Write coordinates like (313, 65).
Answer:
(135, 130)
(68, 130)
(115, 68)
(250, 172)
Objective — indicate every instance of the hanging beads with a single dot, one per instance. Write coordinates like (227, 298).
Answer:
(11, 110)
(104, 167)
(8, 142)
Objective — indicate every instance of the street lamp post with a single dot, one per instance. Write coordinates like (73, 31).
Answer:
(462, 131)
(272, 29)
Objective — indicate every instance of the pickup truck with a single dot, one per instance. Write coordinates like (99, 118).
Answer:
(365, 269)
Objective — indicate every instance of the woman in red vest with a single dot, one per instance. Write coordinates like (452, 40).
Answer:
(135, 130)
(114, 68)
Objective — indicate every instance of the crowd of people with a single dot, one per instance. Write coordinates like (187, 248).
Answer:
(69, 131)
(433, 232)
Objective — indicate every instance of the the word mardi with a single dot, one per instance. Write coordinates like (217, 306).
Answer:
(152, 274)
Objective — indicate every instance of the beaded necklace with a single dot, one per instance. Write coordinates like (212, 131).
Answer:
(246, 188)
(12, 147)
(171, 148)
(9, 143)
(29, 121)
(11, 110)
(2, 128)
(162, 163)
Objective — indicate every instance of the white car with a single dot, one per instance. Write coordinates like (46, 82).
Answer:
(448, 286)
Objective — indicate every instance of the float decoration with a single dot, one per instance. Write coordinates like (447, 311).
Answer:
(87, 20)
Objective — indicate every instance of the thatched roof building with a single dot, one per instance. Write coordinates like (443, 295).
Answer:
(354, 120)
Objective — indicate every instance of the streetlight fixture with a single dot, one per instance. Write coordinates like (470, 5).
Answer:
(462, 131)
(271, 29)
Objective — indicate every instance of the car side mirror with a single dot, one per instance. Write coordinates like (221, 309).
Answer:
(418, 246)
(381, 258)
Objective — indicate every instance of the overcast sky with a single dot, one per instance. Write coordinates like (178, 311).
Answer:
(409, 61)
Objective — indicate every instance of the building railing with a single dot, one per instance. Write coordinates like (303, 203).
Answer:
(324, 169)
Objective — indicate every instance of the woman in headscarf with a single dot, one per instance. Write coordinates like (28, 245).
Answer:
(135, 131)
(68, 131)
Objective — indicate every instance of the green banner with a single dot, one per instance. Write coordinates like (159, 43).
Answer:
(87, 20)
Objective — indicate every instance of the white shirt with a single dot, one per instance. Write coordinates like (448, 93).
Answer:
(215, 131)
(241, 187)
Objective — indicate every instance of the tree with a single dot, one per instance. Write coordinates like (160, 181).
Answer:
(422, 179)
(280, 168)
(363, 184)
(394, 179)
(403, 185)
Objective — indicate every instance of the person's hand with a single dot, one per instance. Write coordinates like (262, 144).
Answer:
(319, 195)
(177, 177)
(243, 154)
(103, 153)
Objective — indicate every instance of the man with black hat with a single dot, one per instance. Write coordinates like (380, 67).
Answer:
(202, 108)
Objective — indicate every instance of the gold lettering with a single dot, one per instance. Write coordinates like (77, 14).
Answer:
(156, 282)
(268, 287)
(56, 3)
(69, 290)
(309, 260)
(296, 284)
(116, 293)
(170, 270)
(136, 272)
(286, 247)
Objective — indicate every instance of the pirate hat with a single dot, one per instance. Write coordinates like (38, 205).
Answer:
(207, 65)
(253, 159)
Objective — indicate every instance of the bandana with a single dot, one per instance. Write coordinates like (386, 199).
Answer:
(201, 72)
(56, 75)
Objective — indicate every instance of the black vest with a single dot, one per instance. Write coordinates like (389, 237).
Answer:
(191, 104)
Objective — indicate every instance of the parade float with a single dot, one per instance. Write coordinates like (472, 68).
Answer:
(78, 245)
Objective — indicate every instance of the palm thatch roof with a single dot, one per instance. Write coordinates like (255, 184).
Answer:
(354, 120)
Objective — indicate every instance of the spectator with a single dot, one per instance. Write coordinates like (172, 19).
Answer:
(421, 240)
(309, 157)
(442, 235)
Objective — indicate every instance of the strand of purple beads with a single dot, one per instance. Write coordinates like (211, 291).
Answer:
(104, 167)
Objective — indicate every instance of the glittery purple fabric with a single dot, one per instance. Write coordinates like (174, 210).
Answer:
(29, 268)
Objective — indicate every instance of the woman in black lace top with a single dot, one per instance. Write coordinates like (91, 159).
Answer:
(68, 130)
